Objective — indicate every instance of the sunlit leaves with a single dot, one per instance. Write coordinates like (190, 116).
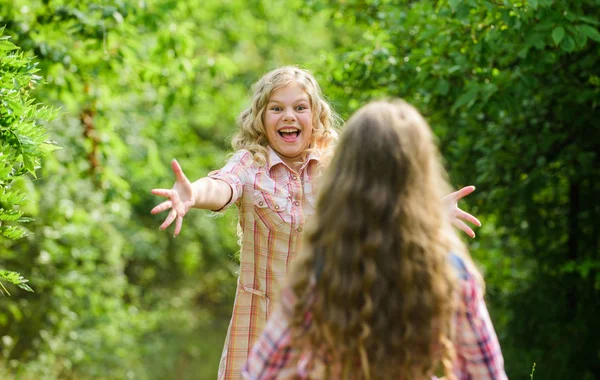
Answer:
(14, 278)
(21, 137)
(511, 89)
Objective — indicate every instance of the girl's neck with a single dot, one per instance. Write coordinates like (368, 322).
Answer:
(294, 164)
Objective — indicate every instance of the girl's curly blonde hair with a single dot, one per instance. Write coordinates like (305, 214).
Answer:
(375, 273)
(252, 135)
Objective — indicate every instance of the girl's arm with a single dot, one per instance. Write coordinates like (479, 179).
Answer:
(205, 193)
(211, 194)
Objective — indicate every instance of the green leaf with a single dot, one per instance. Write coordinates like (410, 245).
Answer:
(569, 15)
(454, 4)
(536, 39)
(48, 147)
(579, 36)
(16, 279)
(454, 69)
(589, 20)
(29, 164)
(557, 34)
(523, 53)
(533, 3)
(443, 86)
(12, 232)
(590, 32)
(465, 98)
(10, 215)
(5, 45)
(568, 44)
(25, 287)
(5, 172)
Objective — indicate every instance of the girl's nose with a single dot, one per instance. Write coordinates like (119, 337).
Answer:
(289, 115)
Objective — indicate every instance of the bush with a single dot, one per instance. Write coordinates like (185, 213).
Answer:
(22, 142)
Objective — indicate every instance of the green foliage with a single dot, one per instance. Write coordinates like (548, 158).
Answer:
(511, 89)
(22, 142)
(13, 278)
(138, 83)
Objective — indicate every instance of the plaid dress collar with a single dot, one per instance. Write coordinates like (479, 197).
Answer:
(273, 158)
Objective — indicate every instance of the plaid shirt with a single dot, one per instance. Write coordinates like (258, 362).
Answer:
(273, 203)
(477, 348)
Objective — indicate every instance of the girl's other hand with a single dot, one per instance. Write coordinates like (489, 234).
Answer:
(180, 199)
(459, 216)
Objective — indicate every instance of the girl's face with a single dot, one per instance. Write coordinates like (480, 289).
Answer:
(288, 122)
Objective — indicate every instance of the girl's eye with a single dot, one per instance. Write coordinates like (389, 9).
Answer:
(301, 108)
(276, 108)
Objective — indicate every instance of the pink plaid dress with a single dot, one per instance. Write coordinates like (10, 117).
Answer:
(273, 204)
(478, 352)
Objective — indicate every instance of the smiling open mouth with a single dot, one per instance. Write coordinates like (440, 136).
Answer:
(289, 134)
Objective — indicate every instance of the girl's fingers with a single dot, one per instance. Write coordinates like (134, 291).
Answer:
(458, 195)
(161, 207)
(170, 218)
(179, 176)
(174, 203)
(463, 226)
(178, 223)
(467, 217)
(162, 192)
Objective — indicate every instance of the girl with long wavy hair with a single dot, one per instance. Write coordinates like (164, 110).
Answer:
(384, 289)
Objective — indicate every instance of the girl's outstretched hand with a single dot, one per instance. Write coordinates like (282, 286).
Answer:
(180, 199)
(451, 201)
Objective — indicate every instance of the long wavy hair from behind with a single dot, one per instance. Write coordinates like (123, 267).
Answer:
(252, 135)
(374, 273)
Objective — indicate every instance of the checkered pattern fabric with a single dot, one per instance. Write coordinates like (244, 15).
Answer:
(273, 203)
(478, 352)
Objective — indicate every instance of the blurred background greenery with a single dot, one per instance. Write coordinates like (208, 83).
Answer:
(512, 89)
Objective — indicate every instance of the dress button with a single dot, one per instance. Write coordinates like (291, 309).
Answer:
(297, 203)
(276, 207)
(294, 177)
(260, 203)
(299, 229)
